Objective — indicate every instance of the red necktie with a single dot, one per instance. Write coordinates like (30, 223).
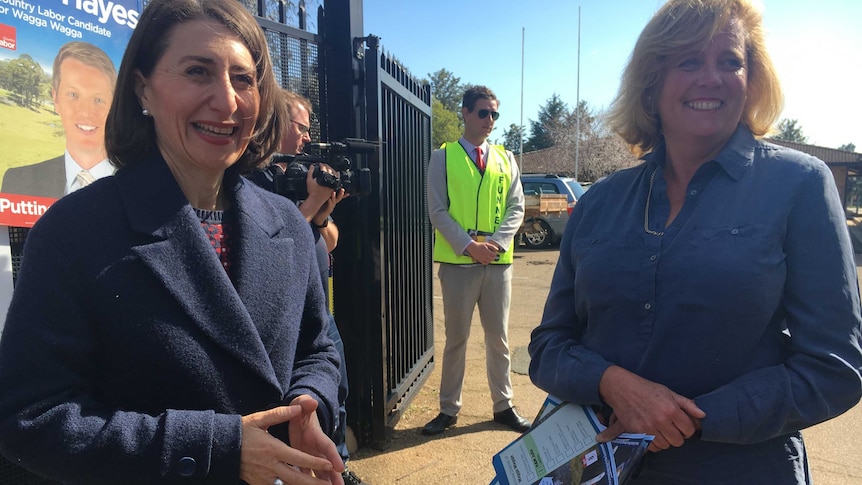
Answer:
(480, 162)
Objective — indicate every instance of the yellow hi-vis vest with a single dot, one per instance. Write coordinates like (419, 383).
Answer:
(477, 202)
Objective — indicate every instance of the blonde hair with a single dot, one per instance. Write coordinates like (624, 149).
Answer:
(292, 100)
(680, 26)
(89, 55)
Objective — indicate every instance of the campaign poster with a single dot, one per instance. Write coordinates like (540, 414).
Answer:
(58, 66)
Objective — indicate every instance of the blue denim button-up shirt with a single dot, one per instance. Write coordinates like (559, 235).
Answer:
(748, 303)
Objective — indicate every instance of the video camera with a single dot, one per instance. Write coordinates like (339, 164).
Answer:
(291, 182)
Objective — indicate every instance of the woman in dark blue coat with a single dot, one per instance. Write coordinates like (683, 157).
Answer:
(168, 324)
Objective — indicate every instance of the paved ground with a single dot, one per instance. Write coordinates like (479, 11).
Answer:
(462, 455)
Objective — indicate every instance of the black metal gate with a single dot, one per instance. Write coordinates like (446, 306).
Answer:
(383, 265)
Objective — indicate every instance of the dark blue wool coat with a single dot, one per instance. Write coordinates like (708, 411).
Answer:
(129, 356)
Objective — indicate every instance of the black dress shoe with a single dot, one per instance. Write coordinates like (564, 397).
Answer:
(511, 419)
(439, 424)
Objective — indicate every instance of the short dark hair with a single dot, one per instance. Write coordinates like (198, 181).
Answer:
(475, 93)
(130, 136)
(86, 53)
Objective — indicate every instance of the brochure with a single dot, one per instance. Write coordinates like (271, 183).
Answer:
(561, 449)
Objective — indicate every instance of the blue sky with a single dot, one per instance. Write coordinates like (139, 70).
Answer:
(816, 47)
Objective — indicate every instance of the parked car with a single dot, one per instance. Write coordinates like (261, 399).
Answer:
(543, 230)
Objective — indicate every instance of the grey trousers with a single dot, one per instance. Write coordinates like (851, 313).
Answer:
(465, 286)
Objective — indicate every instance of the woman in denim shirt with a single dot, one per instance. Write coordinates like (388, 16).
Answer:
(707, 296)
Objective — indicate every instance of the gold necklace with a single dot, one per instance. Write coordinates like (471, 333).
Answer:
(646, 208)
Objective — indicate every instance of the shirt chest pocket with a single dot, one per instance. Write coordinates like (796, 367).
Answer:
(743, 264)
(606, 268)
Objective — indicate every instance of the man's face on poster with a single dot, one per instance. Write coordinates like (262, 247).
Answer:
(82, 100)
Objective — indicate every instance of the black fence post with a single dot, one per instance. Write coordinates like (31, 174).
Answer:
(356, 288)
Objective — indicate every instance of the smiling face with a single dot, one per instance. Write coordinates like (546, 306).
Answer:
(82, 99)
(703, 94)
(203, 98)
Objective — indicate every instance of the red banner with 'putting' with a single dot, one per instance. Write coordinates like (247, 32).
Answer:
(22, 210)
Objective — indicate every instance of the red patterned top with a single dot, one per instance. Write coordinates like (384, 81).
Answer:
(218, 234)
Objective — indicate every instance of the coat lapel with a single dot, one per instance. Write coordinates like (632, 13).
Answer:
(178, 252)
(263, 283)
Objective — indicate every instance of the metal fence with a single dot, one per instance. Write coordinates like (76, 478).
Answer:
(384, 304)
(382, 285)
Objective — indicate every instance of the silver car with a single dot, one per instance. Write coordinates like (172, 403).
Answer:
(547, 229)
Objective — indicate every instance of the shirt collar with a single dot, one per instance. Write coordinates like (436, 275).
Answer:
(735, 158)
(471, 148)
(101, 169)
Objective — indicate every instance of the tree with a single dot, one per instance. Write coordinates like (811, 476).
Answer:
(553, 117)
(790, 130)
(848, 147)
(447, 89)
(588, 123)
(568, 134)
(445, 124)
(512, 138)
(603, 154)
(4, 74)
(599, 151)
(23, 76)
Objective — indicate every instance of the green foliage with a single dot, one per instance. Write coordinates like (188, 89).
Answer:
(790, 130)
(848, 147)
(588, 120)
(4, 74)
(445, 124)
(447, 92)
(447, 89)
(23, 76)
(553, 117)
(512, 138)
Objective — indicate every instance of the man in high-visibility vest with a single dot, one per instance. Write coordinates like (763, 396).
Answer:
(476, 206)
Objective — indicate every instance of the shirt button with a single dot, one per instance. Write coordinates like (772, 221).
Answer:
(734, 231)
(647, 306)
(187, 466)
(693, 192)
(653, 257)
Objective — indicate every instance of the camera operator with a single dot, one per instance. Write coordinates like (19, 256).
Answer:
(321, 200)
(316, 208)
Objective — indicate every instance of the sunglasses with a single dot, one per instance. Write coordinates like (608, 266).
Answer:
(483, 113)
(303, 129)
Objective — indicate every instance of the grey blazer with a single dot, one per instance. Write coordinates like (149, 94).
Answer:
(43, 179)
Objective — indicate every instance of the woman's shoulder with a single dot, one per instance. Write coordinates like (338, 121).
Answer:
(82, 220)
(793, 170)
(786, 157)
(93, 203)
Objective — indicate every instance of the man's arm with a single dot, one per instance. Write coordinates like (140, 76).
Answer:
(438, 204)
(329, 232)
